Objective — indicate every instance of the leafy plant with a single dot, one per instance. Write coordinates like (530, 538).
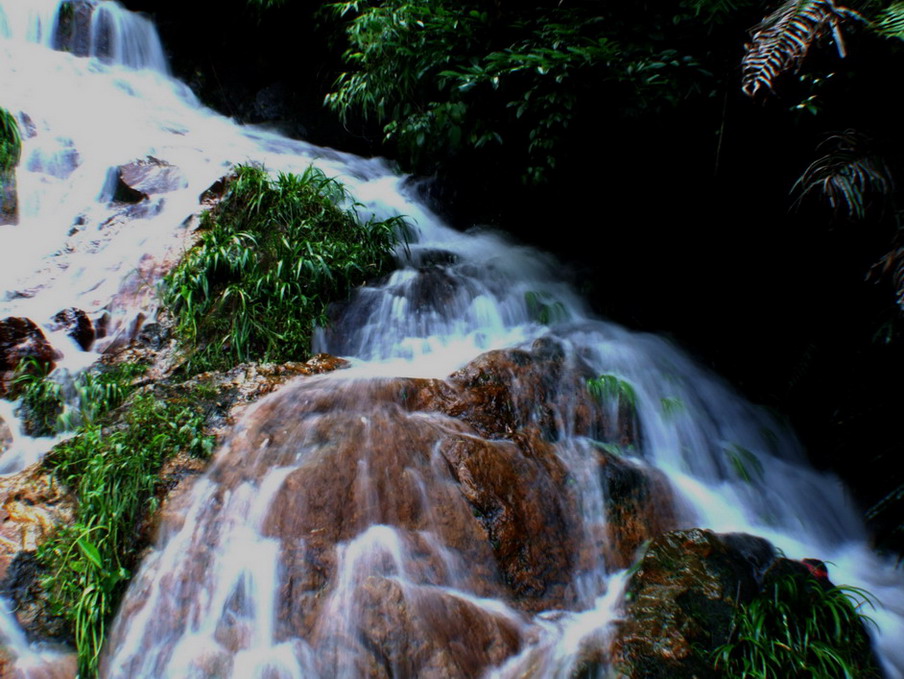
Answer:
(847, 175)
(113, 474)
(890, 21)
(799, 627)
(10, 141)
(609, 388)
(42, 398)
(273, 255)
(449, 78)
(781, 41)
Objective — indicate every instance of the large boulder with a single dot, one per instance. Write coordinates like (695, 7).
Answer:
(682, 599)
(21, 338)
(390, 495)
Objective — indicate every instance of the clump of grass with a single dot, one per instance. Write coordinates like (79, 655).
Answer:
(44, 401)
(10, 142)
(274, 254)
(42, 398)
(113, 474)
(799, 627)
(98, 393)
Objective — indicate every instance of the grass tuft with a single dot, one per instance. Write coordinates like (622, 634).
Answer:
(273, 255)
(800, 627)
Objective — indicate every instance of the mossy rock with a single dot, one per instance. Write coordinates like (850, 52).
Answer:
(682, 599)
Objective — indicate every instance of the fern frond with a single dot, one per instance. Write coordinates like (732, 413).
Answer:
(890, 21)
(781, 41)
(847, 175)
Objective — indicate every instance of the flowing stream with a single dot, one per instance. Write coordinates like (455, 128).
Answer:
(329, 537)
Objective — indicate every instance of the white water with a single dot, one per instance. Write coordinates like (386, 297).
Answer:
(85, 116)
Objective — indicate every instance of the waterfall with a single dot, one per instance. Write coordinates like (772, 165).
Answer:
(344, 496)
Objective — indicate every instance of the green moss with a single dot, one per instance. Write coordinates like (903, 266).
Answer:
(274, 254)
(113, 473)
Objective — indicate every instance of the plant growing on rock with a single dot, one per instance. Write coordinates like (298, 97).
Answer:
(273, 255)
(113, 473)
(42, 398)
(10, 142)
(799, 627)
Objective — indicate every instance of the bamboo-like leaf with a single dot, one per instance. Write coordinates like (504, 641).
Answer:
(847, 175)
(781, 41)
(890, 21)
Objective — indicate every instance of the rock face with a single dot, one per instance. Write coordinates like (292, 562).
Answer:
(21, 338)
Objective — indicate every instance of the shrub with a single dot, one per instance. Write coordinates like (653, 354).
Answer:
(273, 255)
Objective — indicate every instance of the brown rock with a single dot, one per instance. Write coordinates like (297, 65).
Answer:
(77, 324)
(21, 338)
(32, 506)
(639, 506)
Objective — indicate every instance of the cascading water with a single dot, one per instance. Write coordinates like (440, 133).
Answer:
(340, 531)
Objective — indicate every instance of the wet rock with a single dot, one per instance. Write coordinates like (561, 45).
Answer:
(504, 391)
(389, 631)
(73, 33)
(77, 325)
(21, 338)
(682, 599)
(141, 179)
(32, 506)
(9, 200)
(6, 436)
(639, 505)
(59, 665)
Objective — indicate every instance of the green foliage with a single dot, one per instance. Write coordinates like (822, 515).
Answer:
(100, 392)
(113, 474)
(449, 77)
(890, 21)
(10, 141)
(799, 627)
(273, 255)
(611, 389)
(781, 41)
(544, 308)
(847, 176)
(42, 398)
